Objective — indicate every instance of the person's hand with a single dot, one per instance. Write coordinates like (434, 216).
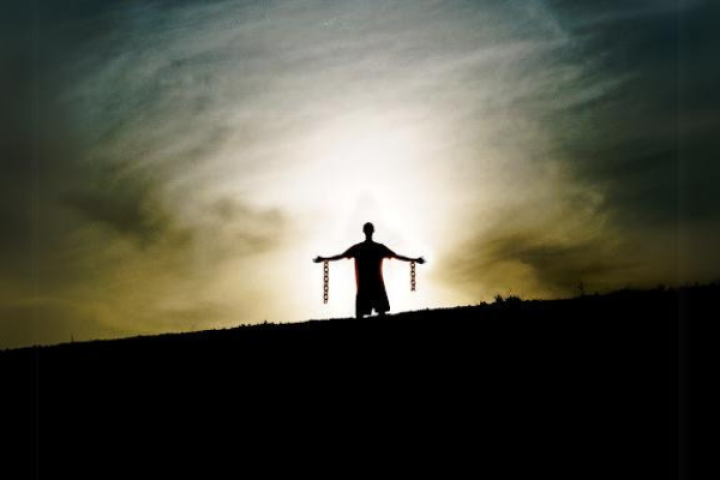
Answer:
(420, 260)
(318, 259)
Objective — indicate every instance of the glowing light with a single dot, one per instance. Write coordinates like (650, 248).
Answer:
(359, 169)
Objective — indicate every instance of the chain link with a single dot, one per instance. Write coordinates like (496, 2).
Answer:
(412, 276)
(326, 281)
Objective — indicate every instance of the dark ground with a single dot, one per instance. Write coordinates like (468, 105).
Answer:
(590, 387)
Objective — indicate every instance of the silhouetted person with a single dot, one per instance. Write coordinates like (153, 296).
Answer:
(369, 256)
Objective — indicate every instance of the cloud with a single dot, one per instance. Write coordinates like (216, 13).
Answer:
(639, 140)
(123, 215)
(48, 321)
(181, 157)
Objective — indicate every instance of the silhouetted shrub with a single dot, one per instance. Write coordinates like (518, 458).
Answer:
(513, 300)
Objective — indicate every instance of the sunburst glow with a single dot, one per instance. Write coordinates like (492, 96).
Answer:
(359, 169)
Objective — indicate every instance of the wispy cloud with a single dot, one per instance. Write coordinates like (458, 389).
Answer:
(189, 154)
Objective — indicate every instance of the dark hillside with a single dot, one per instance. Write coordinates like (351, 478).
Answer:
(571, 388)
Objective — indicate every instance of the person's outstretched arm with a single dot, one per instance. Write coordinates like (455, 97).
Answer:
(349, 253)
(419, 260)
(392, 254)
(319, 259)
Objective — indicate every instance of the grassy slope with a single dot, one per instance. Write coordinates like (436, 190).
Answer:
(566, 388)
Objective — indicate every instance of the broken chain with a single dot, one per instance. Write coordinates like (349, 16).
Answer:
(412, 276)
(326, 281)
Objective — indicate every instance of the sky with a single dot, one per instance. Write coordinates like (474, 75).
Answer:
(174, 166)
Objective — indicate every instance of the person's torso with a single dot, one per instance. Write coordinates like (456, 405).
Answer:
(368, 262)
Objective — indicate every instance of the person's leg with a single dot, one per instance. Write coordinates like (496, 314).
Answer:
(359, 308)
(382, 304)
(364, 305)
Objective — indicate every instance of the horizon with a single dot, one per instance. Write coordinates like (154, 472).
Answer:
(176, 166)
(505, 306)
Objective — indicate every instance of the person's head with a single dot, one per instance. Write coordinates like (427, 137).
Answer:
(368, 229)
